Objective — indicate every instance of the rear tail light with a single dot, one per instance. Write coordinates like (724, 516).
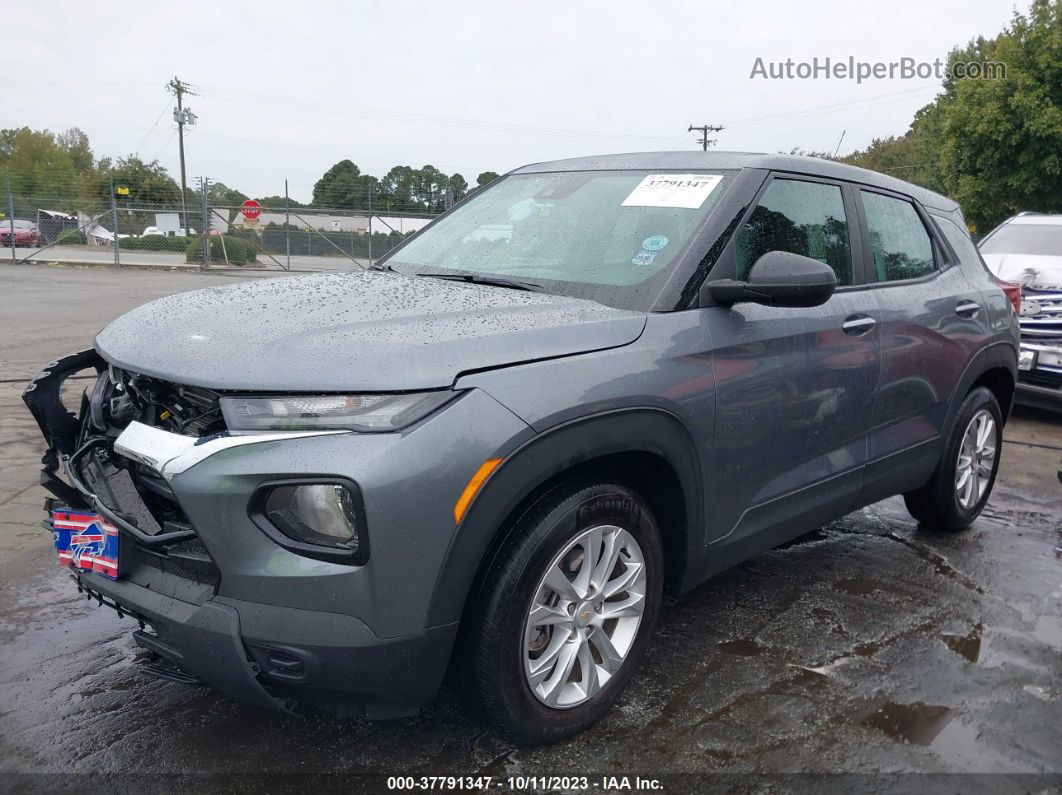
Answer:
(1013, 293)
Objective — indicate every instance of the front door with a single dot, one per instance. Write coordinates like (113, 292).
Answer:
(794, 387)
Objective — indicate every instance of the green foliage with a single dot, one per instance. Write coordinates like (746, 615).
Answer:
(148, 183)
(402, 189)
(486, 178)
(343, 185)
(238, 250)
(993, 145)
(279, 203)
(154, 243)
(218, 193)
(37, 165)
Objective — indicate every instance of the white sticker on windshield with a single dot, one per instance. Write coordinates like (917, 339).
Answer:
(673, 190)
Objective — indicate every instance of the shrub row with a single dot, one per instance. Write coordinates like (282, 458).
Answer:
(240, 252)
(153, 243)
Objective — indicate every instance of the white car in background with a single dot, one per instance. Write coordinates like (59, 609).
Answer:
(1027, 249)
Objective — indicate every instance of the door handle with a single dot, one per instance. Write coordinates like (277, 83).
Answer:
(967, 309)
(858, 324)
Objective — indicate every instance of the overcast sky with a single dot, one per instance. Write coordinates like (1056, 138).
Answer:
(287, 89)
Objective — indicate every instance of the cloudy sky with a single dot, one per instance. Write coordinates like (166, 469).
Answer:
(287, 89)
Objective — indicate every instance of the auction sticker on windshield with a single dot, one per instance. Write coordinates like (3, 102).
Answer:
(673, 190)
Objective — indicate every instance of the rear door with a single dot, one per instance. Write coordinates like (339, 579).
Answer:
(932, 324)
(795, 387)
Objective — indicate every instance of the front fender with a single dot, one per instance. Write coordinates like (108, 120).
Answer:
(551, 453)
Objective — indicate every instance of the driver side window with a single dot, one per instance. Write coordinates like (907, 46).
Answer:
(805, 218)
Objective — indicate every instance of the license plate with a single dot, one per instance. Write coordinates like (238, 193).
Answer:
(1026, 360)
(86, 541)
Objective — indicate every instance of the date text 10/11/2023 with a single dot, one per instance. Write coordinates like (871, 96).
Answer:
(525, 783)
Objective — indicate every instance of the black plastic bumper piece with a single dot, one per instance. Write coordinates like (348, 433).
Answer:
(282, 658)
(201, 639)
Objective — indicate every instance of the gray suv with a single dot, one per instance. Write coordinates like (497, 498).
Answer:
(591, 383)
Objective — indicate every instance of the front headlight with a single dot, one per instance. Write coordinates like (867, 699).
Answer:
(365, 413)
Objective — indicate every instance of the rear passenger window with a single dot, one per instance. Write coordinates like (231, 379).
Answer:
(901, 245)
(801, 217)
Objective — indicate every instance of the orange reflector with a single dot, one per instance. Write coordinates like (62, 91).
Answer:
(474, 484)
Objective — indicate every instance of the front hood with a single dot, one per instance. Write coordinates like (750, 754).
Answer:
(1029, 270)
(371, 331)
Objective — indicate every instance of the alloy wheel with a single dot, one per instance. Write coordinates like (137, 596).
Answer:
(977, 457)
(584, 617)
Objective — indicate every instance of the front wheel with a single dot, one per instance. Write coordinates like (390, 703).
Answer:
(960, 487)
(565, 612)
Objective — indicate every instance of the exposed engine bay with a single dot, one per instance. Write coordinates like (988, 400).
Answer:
(129, 493)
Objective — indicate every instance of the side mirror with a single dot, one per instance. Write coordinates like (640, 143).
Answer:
(778, 278)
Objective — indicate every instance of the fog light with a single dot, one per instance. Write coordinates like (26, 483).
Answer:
(321, 514)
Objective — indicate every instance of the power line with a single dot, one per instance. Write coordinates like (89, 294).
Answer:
(153, 126)
(422, 118)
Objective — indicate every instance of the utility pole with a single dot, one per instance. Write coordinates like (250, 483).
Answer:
(704, 129)
(182, 116)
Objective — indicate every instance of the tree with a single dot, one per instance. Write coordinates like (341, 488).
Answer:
(38, 167)
(458, 187)
(279, 202)
(148, 183)
(76, 144)
(221, 194)
(397, 188)
(486, 178)
(994, 144)
(344, 186)
(1001, 142)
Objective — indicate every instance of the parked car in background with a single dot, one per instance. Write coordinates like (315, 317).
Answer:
(25, 233)
(1027, 249)
(591, 383)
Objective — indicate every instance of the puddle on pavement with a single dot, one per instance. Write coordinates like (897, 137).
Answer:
(857, 585)
(968, 646)
(913, 723)
(742, 648)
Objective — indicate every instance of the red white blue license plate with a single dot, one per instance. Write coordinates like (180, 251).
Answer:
(86, 541)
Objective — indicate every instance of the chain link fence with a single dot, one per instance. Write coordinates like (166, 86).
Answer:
(126, 230)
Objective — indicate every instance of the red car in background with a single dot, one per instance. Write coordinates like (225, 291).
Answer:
(25, 233)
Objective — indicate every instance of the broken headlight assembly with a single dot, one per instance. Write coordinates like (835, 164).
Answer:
(369, 413)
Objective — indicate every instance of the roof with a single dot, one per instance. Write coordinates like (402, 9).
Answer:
(813, 166)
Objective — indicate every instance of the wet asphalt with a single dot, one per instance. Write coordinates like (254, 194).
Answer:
(867, 647)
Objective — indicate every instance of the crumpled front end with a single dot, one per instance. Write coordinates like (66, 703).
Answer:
(223, 597)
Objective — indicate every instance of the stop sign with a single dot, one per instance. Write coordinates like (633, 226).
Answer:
(251, 209)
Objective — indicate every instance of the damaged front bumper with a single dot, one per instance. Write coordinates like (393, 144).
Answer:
(280, 635)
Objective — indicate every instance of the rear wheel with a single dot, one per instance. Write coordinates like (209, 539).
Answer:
(565, 612)
(961, 486)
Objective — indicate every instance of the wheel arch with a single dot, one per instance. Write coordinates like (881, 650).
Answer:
(649, 450)
(994, 367)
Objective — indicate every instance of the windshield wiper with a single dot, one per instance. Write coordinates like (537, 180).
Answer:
(494, 281)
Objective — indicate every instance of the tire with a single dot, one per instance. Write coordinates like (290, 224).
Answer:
(948, 501)
(500, 644)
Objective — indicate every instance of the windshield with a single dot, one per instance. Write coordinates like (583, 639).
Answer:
(610, 236)
(1042, 239)
(16, 223)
